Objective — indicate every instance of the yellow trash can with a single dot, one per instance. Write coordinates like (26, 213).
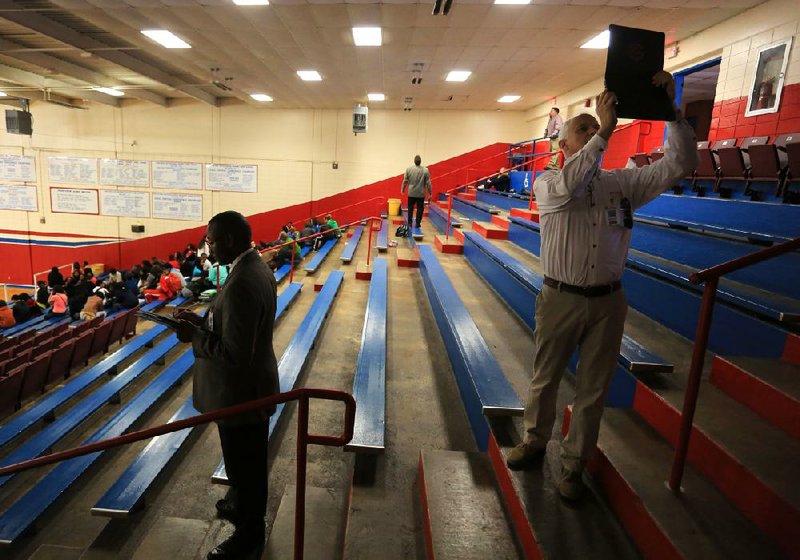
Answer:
(394, 206)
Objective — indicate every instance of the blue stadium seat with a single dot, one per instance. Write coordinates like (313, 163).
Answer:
(369, 384)
(294, 357)
(484, 389)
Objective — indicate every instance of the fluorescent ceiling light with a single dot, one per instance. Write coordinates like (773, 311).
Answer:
(110, 91)
(508, 98)
(309, 75)
(251, 2)
(367, 36)
(376, 97)
(458, 75)
(516, 2)
(3, 94)
(166, 38)
(598, 42)
(260, 97)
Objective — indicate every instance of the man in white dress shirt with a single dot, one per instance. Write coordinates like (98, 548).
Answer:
(586, 221)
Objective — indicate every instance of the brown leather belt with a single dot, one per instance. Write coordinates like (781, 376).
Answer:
(589, 291)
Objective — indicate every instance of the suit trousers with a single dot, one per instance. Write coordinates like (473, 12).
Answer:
(419, 202)
(244, 449)
(566, 322)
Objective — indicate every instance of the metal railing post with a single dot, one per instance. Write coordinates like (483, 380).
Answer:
(291, 269)
(693, 385)
(449, 212)
(302, 458)
(369, 243)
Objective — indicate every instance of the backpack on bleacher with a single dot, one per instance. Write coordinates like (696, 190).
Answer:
(402, 231)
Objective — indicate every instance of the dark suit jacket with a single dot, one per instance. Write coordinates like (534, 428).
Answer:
(234, 359)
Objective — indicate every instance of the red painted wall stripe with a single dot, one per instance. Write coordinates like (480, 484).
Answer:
(772, 404)
(776, 517)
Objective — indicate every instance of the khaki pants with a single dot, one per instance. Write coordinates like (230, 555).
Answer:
(564, 322)
(553, 163)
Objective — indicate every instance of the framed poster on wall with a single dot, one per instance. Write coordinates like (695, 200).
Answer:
(768, 79)
(17, 168)
(232, 178)
(18, 197)
(129, 204)
(78, 171)
(74, 201)
(124, 172)
(178, 206)
(177, 175)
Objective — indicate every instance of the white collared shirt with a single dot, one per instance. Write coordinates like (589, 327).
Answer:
(239, 258)
(584, 242)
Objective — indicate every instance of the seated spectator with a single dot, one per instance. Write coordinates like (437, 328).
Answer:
(76, 266)
(333, 225)
(169, 285)
(308, 229)
(500, 182)
(176, 272)
(42, 294)
(55, 278)
(187, 266)
(114, 275)
(6, 315)
(131, 282)
(190, 252)
(203, 247)
(217, 272)
(94, 305)
(146, 267)
(88, 276)
(327, 234)
(173, 261)
(201, 267)
(121, 297)
(58, 302)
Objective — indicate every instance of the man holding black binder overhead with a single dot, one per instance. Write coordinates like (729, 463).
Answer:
(235, 363)
(586, 221)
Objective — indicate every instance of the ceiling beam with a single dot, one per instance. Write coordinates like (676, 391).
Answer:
(7, 48)
(40, 83)
(12, 11)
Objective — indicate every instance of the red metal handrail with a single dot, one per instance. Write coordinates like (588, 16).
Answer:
(711, 277)
(303, 440)
(369, 221)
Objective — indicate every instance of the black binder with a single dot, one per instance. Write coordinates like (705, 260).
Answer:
(634, 57)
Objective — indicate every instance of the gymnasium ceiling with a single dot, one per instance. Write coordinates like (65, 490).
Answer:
(61, 49)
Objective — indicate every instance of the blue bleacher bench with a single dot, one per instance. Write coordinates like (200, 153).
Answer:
(313, 265)
(352, 244)
(438, 217)
(45, 407)
(369, 384)
(26, 510)
(469, 209)
(18, 328)
(283, 270)
(484, 389)
(53, 433)
(502, 200)
(127, 493)
(294, 357)
(519, 286)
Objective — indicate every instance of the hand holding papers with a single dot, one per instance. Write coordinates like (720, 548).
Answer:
(160, 319)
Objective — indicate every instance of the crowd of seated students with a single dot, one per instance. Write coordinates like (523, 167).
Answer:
(291, 240)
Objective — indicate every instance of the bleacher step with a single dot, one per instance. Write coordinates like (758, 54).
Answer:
(407, 258)
(500, 221)
(490, 230)
(546, 525)
(174, 538)
(532, 215)
(449, 245)
(770, 388)
(630, 467)
(326, 510)
(463, 515)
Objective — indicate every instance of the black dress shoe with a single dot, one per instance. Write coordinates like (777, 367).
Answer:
(226, 509)
(239, 546)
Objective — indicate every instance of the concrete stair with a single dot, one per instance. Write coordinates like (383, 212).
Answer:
(452, 245)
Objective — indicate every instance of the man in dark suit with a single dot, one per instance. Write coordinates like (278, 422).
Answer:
(235, 363)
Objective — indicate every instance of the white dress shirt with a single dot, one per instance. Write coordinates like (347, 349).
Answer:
(584, 242)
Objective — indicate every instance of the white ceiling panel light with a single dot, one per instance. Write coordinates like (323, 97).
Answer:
(3, 94)
(376, 97)
(599, 41)
(110, 91)
(251, 2)
(458, 75)
(309, 75)
(263, 97)
(367, 36)
(508, 99)
(514, 2)
(166, 38)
